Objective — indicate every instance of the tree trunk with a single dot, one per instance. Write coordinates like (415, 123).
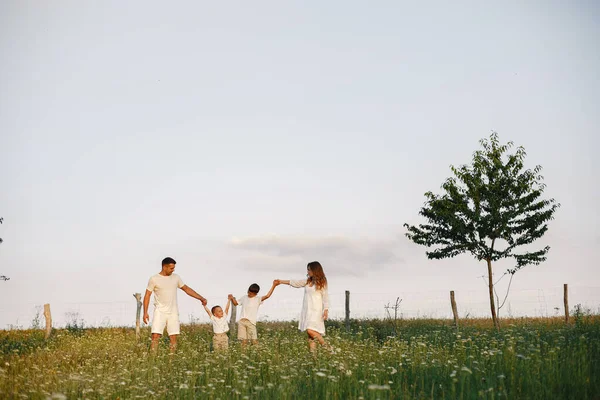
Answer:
(491, 288)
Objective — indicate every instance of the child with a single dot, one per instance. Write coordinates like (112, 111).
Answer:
(220, 325)
(250, 304)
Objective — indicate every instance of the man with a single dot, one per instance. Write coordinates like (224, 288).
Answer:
(166, 313)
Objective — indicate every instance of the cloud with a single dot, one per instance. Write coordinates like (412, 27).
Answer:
(351, 256)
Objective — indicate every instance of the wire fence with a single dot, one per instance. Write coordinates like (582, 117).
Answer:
(546, 302)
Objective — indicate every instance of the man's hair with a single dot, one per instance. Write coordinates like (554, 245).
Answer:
(254, 288)
(212, 310)
(168, 260)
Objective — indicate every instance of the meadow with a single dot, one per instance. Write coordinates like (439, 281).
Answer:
(375, 359)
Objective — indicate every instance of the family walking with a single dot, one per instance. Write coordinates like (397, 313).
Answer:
(164, 285)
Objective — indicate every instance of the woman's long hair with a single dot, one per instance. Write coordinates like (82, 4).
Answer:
(318, 277)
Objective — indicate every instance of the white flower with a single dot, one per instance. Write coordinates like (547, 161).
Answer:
(322, 374)
(184, 386)
(379, 387)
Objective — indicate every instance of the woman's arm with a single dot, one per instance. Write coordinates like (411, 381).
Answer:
(325, 303)
(293, 283)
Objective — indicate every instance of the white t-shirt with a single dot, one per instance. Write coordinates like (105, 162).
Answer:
(220, 325)
(165, 292)
(250, 307)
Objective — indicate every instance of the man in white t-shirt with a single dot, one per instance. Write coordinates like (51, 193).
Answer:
(164, 285)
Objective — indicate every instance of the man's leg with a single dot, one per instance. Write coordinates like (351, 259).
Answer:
(173, 330)
(173, 346)
(154, 344)
(158, 326)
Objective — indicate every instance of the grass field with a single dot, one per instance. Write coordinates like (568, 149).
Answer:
(412, 359)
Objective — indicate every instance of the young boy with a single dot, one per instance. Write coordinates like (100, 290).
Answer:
(220, 325)
(250, 304)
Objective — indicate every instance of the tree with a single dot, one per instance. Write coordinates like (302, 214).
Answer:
(2, 277)
(492, 209)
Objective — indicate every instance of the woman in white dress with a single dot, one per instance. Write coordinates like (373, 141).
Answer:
(315, 306)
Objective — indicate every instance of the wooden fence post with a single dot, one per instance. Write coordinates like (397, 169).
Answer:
(347, 310)
(138, 299)
(48, 317)
(232, 321)
(454, 311)
(566, 295)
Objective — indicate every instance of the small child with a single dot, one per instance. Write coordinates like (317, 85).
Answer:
(250, 304)
(220, 325)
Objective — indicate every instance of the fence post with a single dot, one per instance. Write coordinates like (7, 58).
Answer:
(566, 295)
(48, 317)
(454, 311)
(232, 320)
(347, 310)
(138, 299)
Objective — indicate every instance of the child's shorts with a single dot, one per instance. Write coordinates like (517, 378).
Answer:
(246, 330)
(220, 341)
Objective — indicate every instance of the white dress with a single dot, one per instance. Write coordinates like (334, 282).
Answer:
(314, 303)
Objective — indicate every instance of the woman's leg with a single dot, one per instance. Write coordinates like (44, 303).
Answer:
(312, 345)
(316, 336)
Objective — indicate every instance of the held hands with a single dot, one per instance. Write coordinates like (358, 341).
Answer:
(229, 297)
(325, 315)
(276, 282)
(203, 301)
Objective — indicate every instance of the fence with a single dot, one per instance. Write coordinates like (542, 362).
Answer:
(415, 304)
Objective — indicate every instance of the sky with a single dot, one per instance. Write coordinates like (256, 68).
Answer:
(248, 139)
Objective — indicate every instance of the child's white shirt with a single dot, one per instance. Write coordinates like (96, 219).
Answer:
(250, 307)
(220, 325)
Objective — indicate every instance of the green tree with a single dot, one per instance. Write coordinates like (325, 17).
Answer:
(492, 209)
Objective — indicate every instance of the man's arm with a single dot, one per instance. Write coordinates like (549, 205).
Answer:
(190, 292)
(146, 303)
(266, 296)
(233, 300)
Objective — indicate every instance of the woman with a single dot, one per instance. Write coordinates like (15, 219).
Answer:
(315, 306)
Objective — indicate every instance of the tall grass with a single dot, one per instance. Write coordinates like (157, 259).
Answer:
(413, 359)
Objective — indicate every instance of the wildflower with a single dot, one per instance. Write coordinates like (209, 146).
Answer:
(184, 386)
(465, 369)
(322, 374)
(378, 387)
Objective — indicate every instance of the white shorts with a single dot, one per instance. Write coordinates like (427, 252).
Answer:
(159, 320)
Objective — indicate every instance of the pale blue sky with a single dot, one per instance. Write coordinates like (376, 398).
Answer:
(247, 139)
